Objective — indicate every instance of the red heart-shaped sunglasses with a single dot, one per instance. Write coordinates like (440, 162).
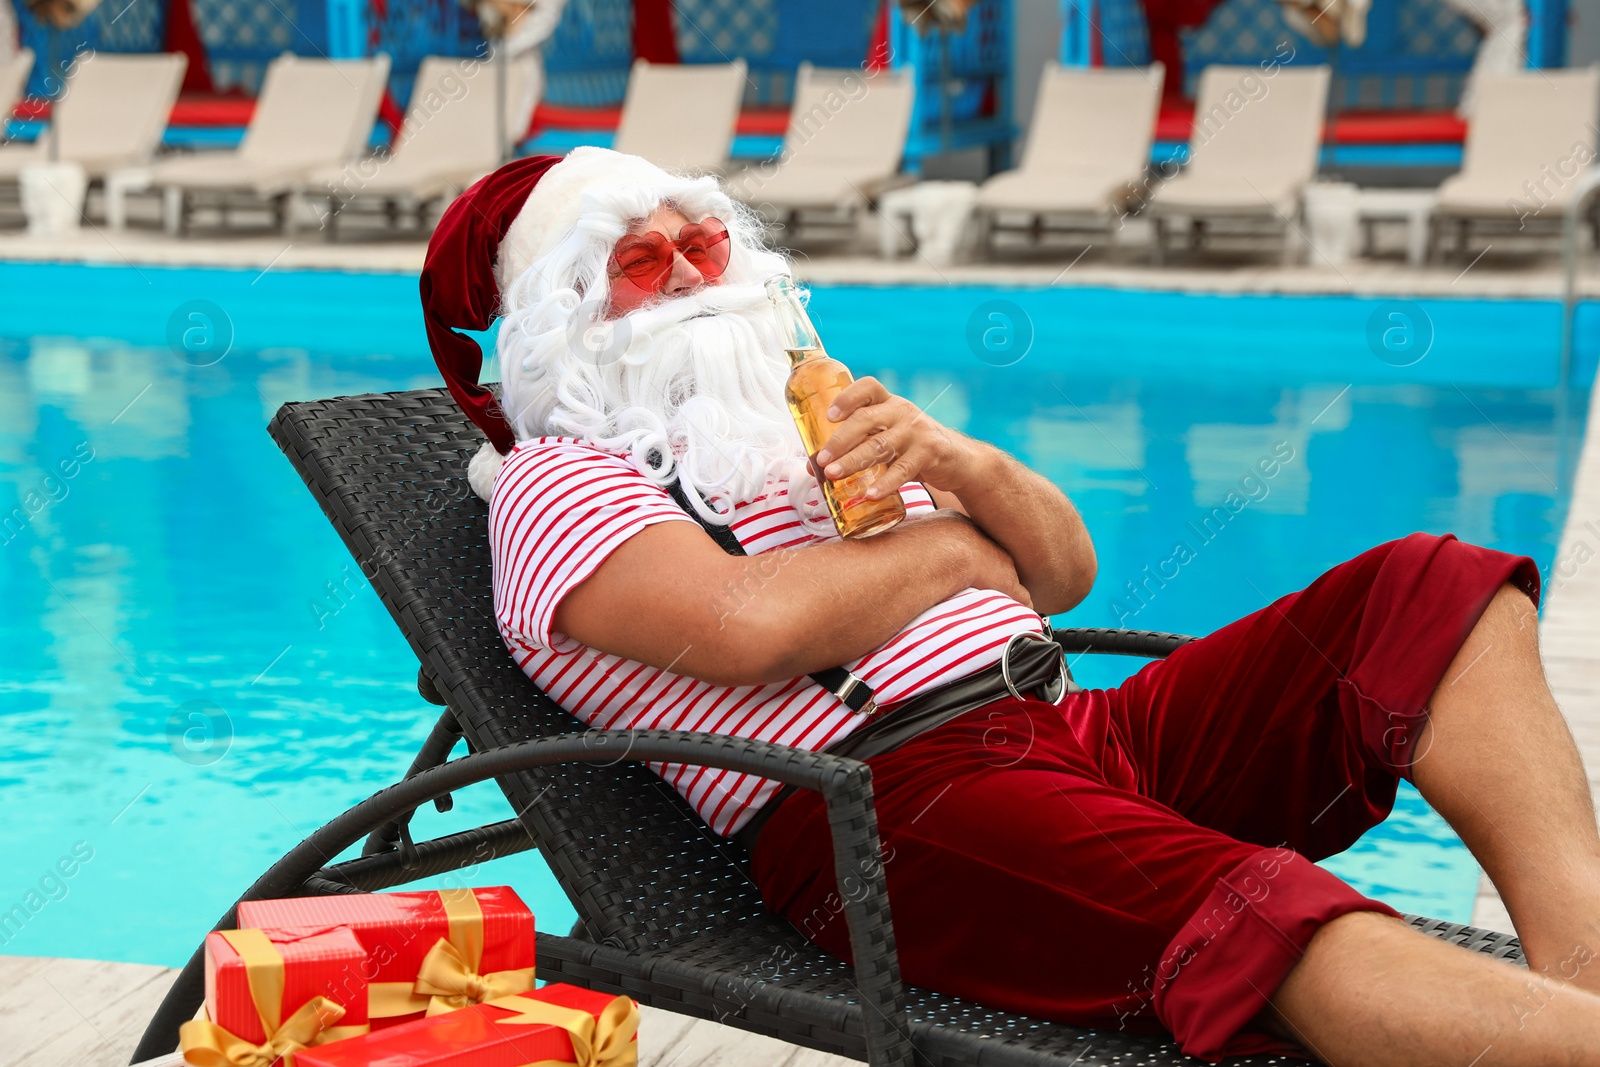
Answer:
(644, 260)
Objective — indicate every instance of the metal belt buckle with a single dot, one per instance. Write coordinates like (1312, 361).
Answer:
(1060, 684)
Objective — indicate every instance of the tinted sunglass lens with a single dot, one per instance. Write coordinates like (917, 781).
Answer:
(710, 247)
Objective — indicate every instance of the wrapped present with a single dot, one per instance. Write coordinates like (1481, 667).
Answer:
(430, 952)
(557, 1026)
(270, 993)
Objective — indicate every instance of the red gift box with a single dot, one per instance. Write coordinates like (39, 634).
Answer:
(557, 1024)
(487, 932)
(298, 966)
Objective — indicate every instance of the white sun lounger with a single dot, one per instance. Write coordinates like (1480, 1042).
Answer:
(1531, 137)
(14, 71)
(111, 115)
(1253, 149)
(847, 133)
(1087, 153)
(681, 116)
(311, 114)
(447, 143)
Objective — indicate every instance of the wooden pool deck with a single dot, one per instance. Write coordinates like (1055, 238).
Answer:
(81, 1013)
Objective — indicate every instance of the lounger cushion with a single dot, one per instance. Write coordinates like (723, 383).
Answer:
(1487, 195)
(14, 157)
(1086, 191)
(1227, 196)
(801, 186)
(1530, 141)
(396, 178)
(224, 171)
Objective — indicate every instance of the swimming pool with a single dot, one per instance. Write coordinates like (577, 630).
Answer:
(195, 674)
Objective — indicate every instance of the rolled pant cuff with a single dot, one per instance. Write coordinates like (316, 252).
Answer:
(1428, 595)
(1236, 949)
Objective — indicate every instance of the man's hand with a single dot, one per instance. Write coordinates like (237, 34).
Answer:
(876, 426)
(1025, 515)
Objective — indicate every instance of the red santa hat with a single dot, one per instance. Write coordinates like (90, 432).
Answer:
(488, 238)
(459, 290)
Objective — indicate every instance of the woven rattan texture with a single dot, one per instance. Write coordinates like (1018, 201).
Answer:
(713, 980)
(672, 919)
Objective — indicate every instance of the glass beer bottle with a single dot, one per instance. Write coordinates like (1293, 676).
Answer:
(814, 381)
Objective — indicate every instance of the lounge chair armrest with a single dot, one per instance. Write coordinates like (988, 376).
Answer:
(1151, 643)
(845, 784)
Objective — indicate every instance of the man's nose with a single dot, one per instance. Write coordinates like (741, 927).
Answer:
(684, 278)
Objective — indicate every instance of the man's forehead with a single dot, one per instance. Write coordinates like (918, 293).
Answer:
(666, 216)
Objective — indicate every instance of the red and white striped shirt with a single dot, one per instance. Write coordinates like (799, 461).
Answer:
(560, 507)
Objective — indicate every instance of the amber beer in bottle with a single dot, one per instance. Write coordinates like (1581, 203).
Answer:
(814, 381)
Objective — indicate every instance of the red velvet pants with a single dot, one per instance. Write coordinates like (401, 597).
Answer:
(1141, 857)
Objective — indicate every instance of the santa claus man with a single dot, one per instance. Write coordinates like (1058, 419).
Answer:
(1133, 858)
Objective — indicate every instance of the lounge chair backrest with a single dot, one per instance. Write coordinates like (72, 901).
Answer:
(450, 123)
(14, 73)
(1094, 118)
(313, 111)
(666, 875)
(1526, 121)
(116, 106)
(681, 116)
(1264, 128)
(844, 120)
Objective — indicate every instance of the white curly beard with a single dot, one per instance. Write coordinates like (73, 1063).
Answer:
(690, 388)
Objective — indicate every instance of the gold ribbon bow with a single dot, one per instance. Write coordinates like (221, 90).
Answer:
(205, 1044)
(604, 1040)
(448, 978)
(451, 982)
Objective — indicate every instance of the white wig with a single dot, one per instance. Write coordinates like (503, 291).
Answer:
(689, 388)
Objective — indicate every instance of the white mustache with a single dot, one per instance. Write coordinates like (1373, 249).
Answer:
(711, 300)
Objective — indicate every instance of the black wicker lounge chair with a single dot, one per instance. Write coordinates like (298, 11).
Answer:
(668, 915)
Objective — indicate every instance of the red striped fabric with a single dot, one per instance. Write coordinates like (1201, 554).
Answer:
(560, 507)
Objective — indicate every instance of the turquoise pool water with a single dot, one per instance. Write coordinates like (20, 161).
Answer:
(195, 676)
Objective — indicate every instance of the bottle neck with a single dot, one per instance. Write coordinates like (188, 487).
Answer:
(798, 356)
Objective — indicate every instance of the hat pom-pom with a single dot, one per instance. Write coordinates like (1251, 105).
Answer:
(482, 468)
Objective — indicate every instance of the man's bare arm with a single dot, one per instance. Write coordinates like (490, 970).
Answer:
(1027, 515)
(669, 597)
(1032, 520)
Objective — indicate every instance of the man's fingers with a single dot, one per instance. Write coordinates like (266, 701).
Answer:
(899, 472)
(880, 448)
(857, 394)
(860, 427)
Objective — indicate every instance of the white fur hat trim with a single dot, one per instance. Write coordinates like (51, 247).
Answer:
(553, 207)
(482, 468)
